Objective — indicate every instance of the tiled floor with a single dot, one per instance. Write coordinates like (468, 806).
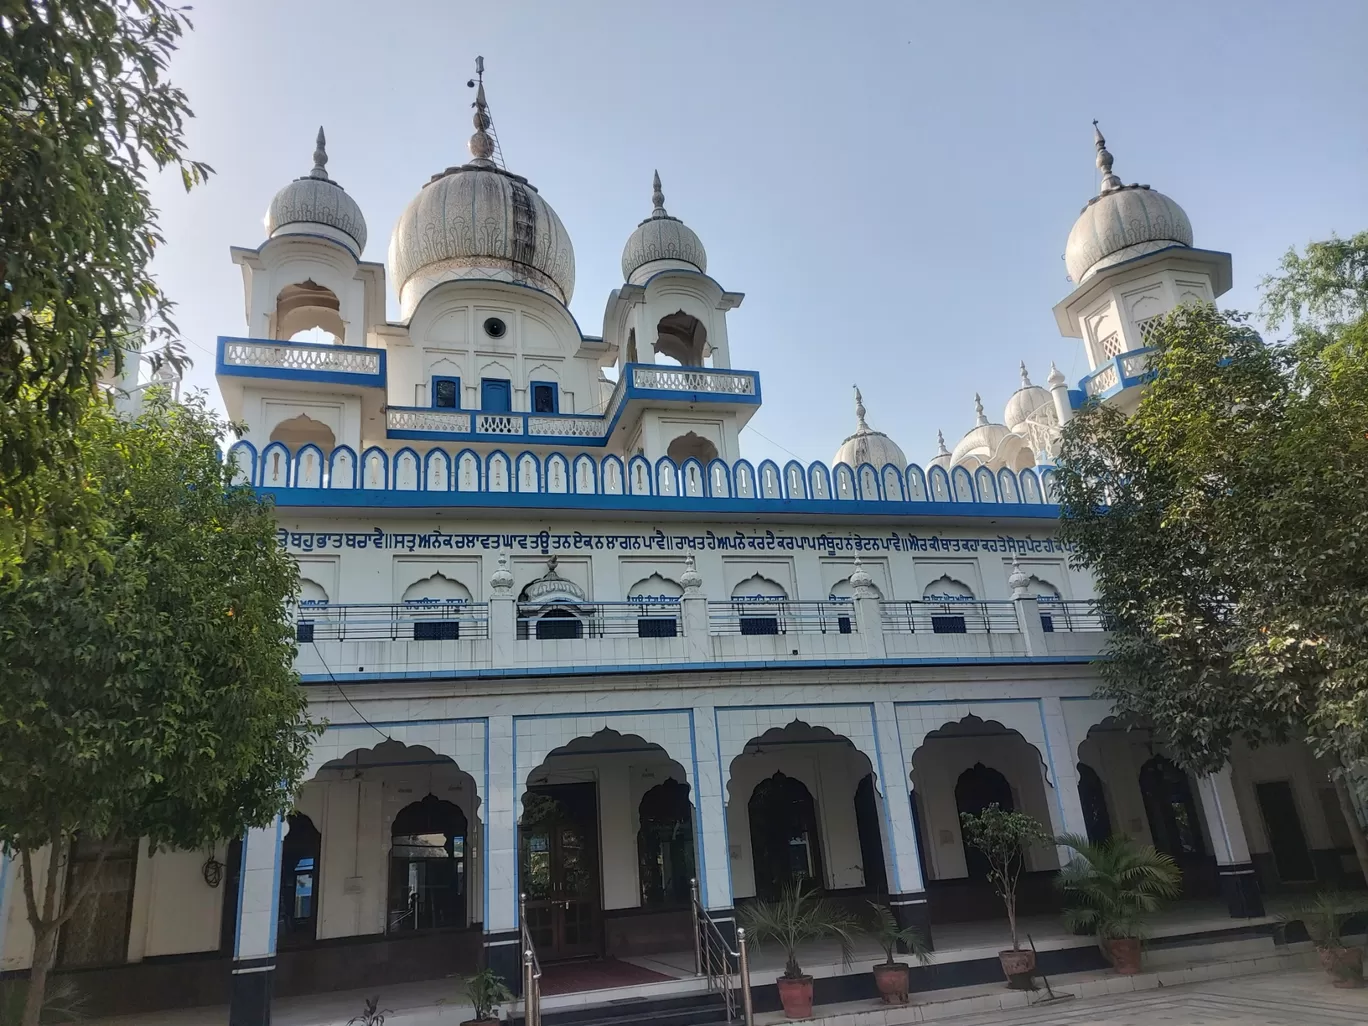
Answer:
(1276, 999)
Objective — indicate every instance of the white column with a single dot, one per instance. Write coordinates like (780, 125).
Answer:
(500, 857)
(503, 624)
(1064, 768)
(8, 884)
(1239, 883)
(895, 782)
(258, 913)
(714, 852)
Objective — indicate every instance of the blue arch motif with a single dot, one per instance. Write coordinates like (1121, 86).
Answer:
(499, 460)
(891, 482)
(795, 480)
(819, 480)
(961, 485)
(938, 484)
(718, 471)
(740, 470)
(665, 477)
(246, 455)
(400, 457)
(1007, 486)
(307, 449)
(383, 481)
(695, 467)
(434, 458)
(916, 483)
(584, 460)
(516, 483)
(275, 455)
(609, 464)
(985, 485)
(340, 454)
(769, 483)
(640, 477)
(475, 461)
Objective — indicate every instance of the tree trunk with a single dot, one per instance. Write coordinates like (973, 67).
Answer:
(1351, 820)
(44, 955)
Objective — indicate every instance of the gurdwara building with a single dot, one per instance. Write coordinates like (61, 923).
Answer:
(570, 643)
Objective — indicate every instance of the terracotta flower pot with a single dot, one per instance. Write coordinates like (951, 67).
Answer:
(1018, 966)
(795, 994)
(479, 1022)
(891, 979)
(1345, 965)
(1124, 953)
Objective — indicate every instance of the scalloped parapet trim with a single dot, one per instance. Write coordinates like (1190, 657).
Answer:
(505, 473)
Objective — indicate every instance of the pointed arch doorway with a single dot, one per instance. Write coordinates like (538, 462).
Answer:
(559, 871)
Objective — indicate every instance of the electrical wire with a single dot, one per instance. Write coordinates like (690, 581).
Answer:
(343, 692)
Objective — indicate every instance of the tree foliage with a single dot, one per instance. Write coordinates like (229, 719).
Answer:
(1226, 524)
(85, 114)
(147, 684)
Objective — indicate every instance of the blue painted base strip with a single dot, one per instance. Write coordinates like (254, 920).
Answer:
(578, 670)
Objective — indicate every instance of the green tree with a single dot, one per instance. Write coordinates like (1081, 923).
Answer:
(85, 114)
(147, 684)
(1226, 526)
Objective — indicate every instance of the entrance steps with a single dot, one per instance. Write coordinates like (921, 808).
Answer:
(696, 1009)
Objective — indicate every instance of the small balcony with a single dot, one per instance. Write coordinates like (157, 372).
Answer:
(302, 363)
(1117, 374)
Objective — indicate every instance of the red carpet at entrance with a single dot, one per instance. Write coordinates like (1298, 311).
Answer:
(600, 974)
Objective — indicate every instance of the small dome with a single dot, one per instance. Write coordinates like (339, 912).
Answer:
(1121, 223)
(1029, 405)
(867, 445)
(991, 445)
(942, 457)
(482, 222)
(313, 200)
(662, 237)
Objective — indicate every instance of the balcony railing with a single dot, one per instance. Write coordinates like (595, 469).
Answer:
(671, 379)
(1121, 371)
(406, 621)
(781, 616)
(949, 617)
(599, 620)
(301, 361)
(1074, 617)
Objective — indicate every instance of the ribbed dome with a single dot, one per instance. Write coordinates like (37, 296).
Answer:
(992, 445)
(868, 446)
(315, 200)
(662, 237)
(479, 221)
(1123, 222)
(1029, 405)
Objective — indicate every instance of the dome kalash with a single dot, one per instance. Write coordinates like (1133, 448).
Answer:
(480, 221)
(867, 445)
(1122, 222)
(316, 205)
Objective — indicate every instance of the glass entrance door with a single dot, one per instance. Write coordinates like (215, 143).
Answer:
(558, 846)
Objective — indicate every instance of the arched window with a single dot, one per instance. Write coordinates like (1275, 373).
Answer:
(977, 788)
(427, 867)
(657, 601)
(785, 846)
(309, 312)
(302, 430)
(300, 853)
(434, 602)
(693, 446)
(1170, 809)
(311, 596)
(665, 845)
(1093, 798)
(757, 602)
(682, 337)
(944, 593)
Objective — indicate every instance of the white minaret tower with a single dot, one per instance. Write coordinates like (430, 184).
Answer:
(1131, 259)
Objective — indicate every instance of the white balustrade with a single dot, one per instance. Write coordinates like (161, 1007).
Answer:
(426, 420)
(287, 356)
(681, 380)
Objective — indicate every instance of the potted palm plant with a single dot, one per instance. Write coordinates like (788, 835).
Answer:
(798, 915)
(1003, 838)
(1113, 887)
(890, 975)
(485, 991)
(1323, 918)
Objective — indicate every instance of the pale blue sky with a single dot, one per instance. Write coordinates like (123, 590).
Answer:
(891, 184)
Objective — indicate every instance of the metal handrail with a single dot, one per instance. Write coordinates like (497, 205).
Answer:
(966, 617)
(531, 970)
(784, 616)
(713, 958)
(1059, 616)
(394, 621)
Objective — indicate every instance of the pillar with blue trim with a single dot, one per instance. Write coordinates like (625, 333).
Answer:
(907, 889)
(258, 915)
(1234, 867)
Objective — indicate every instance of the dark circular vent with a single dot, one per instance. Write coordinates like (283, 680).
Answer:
(495, 328)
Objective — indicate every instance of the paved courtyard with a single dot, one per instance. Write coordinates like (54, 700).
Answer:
(1275, 999)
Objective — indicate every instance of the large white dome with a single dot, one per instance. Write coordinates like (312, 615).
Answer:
(1121, 223)
(316, 201)
(991, 445)
(867, 445)
(480, 221)
(662, 237)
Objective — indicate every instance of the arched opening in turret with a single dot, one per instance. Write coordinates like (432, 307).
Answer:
(309, 312)
(301, 430)
(691, 446)
(682, 338)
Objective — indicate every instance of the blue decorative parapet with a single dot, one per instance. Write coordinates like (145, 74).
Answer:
(658, 384)
(301, 361)
(1116, 375)
(437, 477)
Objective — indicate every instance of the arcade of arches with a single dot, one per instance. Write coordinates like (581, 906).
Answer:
(386, 848)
